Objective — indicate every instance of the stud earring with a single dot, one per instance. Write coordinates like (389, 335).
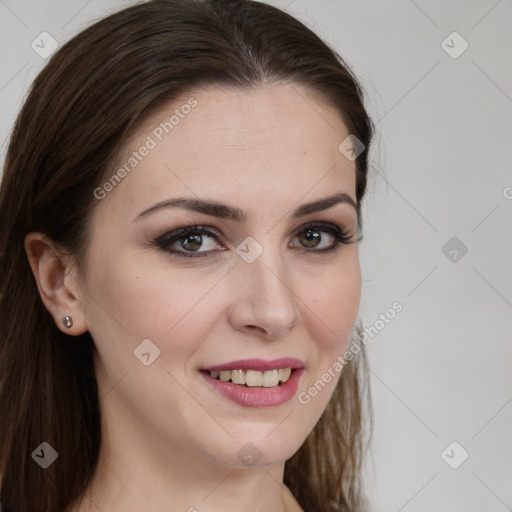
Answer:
(67, 321)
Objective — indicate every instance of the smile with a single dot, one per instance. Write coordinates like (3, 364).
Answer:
(253, 378)
(254, 382)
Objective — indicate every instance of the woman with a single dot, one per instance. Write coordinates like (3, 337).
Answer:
(180, 276)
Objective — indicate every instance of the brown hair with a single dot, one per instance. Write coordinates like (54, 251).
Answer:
(95, 90)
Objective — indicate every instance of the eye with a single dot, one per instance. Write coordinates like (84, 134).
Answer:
(188, 241)
(311, 237)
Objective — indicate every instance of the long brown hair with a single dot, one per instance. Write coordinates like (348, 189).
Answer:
(93, 93)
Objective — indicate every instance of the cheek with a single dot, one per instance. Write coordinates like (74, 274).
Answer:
(335, 305)
(132, 301)
(331, 319)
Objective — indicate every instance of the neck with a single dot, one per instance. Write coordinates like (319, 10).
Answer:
(126, 483)
(138, 470)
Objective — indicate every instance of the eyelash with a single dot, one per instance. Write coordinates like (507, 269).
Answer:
(163, 242)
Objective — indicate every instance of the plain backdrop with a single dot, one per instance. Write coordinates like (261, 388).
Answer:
(437, 228)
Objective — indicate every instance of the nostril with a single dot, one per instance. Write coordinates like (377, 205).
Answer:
(257, 328)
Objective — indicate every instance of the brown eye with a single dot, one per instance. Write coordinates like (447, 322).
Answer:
(310, 238)
(188, 242)
(192, 242)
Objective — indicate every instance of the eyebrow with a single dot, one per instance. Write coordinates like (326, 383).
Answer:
(224, 211)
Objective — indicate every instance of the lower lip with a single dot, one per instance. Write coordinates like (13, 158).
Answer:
(257, 396)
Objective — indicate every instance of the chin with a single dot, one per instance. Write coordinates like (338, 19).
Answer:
(256, 451)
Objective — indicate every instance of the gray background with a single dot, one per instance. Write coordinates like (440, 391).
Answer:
(440, 168)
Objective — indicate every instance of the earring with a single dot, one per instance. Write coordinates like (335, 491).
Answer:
(67, 321)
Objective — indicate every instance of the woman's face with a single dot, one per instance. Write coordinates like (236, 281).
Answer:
(254, 286)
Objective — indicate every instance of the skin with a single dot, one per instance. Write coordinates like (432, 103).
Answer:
(170, 441)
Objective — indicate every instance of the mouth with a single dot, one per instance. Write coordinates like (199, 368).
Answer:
(255, 382)
(253, 378)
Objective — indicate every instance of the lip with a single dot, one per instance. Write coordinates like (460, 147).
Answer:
(258, 365)
(257, 396)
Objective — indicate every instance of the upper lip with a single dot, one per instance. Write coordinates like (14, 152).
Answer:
(257, 364)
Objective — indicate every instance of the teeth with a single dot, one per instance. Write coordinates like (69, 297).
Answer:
(270, 378)
(286, 374)
(253, 378)
(238, 377)
(225, 376)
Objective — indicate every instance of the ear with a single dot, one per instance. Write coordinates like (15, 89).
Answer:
(56, 281)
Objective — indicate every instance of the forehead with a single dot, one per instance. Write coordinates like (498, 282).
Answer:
(224, 142)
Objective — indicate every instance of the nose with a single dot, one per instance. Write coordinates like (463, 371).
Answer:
(264, 302)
